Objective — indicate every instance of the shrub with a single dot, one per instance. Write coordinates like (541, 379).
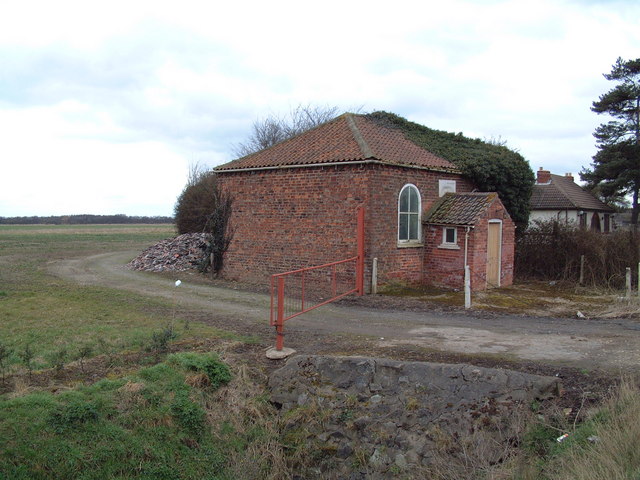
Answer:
(552, 251)
(203, 207)
(196, 202)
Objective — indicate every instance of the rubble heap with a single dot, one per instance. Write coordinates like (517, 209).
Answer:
(184, 252)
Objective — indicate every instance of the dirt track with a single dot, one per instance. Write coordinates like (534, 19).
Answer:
(608, 344)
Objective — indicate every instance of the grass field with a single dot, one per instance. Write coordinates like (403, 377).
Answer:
(51, 315)
(91, 391)
(143, 417)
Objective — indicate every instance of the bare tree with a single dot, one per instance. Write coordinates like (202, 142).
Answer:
(274, 129)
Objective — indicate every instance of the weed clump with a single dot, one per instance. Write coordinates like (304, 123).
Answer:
(27, 355)
(83, 354)
(188, 414)
(5, 353)
(160, 340)
(217, 371)
(71, 415)
(58, 358)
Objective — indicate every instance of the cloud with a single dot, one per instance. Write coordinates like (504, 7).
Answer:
(141, 89)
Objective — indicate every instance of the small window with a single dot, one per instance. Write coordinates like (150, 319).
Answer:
(450, 236)
(409, 214)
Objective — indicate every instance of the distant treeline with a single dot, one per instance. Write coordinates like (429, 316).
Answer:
(82, 220)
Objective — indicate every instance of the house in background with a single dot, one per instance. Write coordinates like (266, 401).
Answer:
(295, 206)
(557, 197)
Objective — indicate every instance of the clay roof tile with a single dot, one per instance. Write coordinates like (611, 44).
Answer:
(459, 208)
(347, 138)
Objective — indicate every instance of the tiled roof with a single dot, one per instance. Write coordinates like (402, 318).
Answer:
(563, 193)
(459, 208)
(348, 138)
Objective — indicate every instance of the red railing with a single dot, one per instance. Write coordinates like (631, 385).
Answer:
(311, 287)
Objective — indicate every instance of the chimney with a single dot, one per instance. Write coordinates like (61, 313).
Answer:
(544, 176)
(569, 176)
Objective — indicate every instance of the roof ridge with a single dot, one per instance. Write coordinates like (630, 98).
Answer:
(357, 135)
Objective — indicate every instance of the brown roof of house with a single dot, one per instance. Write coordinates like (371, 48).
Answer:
(459, 208)
(562, 193)
(347, 138)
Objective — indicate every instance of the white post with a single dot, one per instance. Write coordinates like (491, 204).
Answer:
(629, 283)
(467, 287)
(374, 277)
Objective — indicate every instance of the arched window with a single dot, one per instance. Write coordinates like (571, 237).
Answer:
(409, 214)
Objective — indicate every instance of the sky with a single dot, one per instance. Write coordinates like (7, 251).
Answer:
(105, 106)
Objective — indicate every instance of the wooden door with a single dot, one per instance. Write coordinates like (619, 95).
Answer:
(494, 250)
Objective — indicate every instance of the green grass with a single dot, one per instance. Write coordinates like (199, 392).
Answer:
(602, 447)
(148, 425)
(163, 421)
(51, 314)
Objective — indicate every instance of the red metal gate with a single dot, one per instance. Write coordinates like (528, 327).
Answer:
(311, 287)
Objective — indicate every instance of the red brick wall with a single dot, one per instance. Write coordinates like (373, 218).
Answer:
(284, 219)
(395, 263)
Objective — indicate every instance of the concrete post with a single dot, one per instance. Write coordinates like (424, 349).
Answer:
(467, 287)
(374, 277)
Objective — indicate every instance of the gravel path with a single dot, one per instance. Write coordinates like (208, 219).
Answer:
(609, 344)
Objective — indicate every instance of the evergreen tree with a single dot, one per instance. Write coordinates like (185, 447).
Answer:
(615, 171)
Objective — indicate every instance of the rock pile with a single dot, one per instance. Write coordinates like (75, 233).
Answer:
(377, 418)
(184, 252)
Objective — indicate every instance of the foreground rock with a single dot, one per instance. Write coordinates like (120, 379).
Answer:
(184, 252)
(361, 417)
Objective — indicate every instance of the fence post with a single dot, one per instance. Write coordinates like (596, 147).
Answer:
(638, 279)
(280, 319)
(360, 246)
(581, 281)
(467, 287)
(629, 283)
(374, 276)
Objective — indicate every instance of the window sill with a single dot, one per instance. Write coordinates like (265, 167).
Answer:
(413, 244)
(449, 246)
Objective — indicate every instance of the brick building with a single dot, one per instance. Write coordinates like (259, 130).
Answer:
(295, 206)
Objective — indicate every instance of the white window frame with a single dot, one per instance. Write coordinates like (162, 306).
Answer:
(450, 245)
(410, 241)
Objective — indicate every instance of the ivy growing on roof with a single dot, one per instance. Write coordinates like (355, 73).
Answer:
(491, 167)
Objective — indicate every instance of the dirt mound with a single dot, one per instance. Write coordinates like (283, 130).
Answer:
(184, 252)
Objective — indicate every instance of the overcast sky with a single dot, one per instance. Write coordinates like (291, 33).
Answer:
(104, 105)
